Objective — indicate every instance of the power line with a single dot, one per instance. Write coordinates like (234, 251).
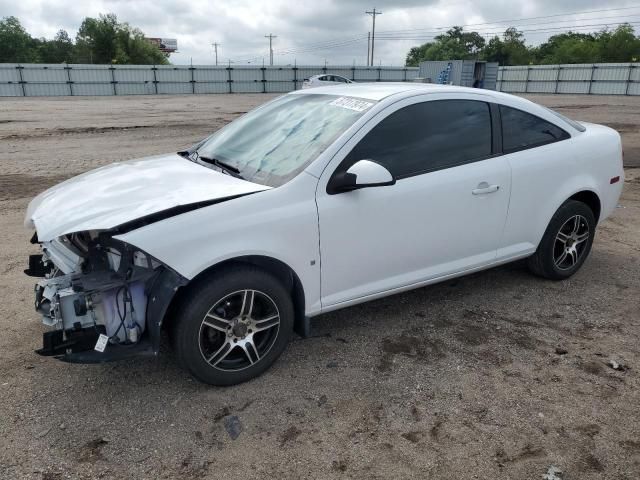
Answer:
(373, 14)
(422, 33)
(515, 25)
(311, 47)
(517, 19)
(536, 30)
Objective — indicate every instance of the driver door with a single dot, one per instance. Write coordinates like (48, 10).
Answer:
(444, 215)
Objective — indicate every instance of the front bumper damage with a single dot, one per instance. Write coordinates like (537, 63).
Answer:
(93, 286)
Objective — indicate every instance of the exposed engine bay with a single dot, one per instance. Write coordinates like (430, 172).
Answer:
(95, 294)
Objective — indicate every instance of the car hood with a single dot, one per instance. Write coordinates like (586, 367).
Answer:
(122, 192)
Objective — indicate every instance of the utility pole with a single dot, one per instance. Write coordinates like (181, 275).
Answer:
(368, 47)
(373, 14)
(215, 46)
(271, 36)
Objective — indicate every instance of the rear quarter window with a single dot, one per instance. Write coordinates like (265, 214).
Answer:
(522, 130)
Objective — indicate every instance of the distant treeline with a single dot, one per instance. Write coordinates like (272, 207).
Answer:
(619, 45)
(99, 40)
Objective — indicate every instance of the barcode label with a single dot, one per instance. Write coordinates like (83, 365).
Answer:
(351, 104)
(101, 344)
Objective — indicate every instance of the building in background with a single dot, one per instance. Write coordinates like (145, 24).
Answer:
(465, 73)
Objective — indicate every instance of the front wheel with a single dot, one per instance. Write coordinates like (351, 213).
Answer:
(232, 325)
(566, 242)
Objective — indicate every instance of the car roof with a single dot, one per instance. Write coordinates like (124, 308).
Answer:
(380, 90)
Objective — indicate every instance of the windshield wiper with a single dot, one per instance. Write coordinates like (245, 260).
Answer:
(230, 169)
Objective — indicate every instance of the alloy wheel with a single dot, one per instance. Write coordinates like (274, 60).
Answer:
(570, 242)
(239, 330)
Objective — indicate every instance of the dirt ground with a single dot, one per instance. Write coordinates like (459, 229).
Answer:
(498, 375)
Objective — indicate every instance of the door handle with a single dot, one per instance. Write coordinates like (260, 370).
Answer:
(484, 188)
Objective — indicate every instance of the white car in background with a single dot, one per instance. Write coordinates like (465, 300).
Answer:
(324, 80)
(315, 201)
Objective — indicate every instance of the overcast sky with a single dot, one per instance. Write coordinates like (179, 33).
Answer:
(309, 32)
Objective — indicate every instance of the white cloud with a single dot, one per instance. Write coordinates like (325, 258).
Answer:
(301, 25)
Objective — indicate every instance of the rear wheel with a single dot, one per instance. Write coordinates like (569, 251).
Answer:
(233, 325)
(566, 242)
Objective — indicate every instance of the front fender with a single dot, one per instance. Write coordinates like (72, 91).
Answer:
(281, 223)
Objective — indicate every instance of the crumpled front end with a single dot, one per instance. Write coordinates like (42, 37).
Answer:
(103, 299)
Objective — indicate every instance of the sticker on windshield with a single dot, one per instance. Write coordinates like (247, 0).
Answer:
(351, 104)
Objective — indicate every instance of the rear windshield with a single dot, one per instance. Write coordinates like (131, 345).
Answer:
(578, 126)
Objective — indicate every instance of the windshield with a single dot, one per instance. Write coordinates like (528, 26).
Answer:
(274, 143)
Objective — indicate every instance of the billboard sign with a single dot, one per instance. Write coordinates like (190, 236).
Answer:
(167, 45)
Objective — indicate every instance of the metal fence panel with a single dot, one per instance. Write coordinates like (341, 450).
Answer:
(136, 88)
(247, 87)
(10, 90)
(366, 74)
(575, 72)
(9, 73)
(133, 74)
(346, 72)
(540, 87)
(395, 75)
(212, 87)
(279, 87)
(244, 74)
(609, 88)
(86, 79)
(44, 74)
(98, 89)
(173, 74)
(174, 88)
(90, 74)
(544, 74)
(210, 74)
(307, 72)
(512, 87)
(597, 79)
(573, 87)
(46, 89)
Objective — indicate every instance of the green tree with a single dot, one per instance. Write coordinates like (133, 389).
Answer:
(510, 50)
(105, 40)
(620, 45)
(58, 50)
(17, 44)
(570, 47)
(417, 55)
(456, 44)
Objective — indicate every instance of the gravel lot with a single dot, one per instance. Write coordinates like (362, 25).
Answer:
(496, 375)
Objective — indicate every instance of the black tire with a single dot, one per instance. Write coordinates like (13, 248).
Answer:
(545, 262)
(224, 290)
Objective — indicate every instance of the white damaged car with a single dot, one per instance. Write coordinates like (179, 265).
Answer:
(317, 200)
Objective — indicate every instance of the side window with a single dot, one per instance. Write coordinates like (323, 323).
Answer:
(521, 130)
(428, 136)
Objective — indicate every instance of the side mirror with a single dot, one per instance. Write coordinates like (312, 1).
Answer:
(362, 174)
